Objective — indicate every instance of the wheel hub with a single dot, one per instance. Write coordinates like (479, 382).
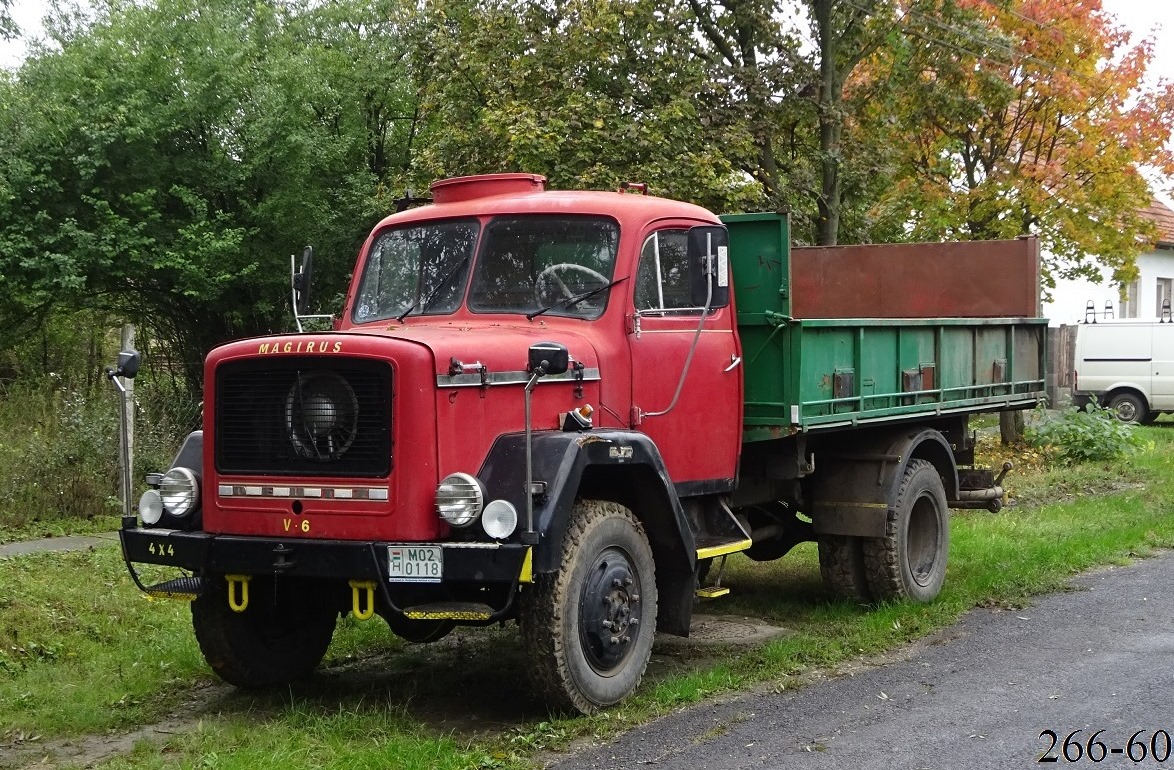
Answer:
(923, 541)
(609, 611)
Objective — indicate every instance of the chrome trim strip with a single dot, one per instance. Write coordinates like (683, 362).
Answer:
(362, 494)
(511, 378)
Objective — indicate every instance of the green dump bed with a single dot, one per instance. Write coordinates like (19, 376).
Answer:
(841, 336)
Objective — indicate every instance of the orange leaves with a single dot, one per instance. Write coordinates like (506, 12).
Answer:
(1024, 116)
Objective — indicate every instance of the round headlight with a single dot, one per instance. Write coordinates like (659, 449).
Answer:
(459, 499)
(180, 491)
(500, 519)
(150, 508)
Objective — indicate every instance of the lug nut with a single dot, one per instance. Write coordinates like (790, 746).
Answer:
(626, 639)
(608, 625)
(615, 640)
(615, 583)
(634, 621)
(627, 581)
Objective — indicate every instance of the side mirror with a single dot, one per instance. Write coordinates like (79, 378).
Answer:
(709, 266)
(302, 281)
(548, 358)
(128, 364)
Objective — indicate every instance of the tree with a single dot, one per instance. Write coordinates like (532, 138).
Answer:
(813, 159)
(1023, 117)
(847, 33)
(588, 92)
(8, 28)
(167, 160)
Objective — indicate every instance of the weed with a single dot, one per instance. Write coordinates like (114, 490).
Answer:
(59, 452)
(1075, 436)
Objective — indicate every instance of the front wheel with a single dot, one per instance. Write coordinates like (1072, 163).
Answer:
(588, 628)
(909, 562)
(279, 638)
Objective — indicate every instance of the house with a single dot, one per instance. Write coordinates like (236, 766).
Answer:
(1154, 287)
(1074, 302)
(1070, 300)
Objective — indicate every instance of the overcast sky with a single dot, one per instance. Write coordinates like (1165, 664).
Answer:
(1141, 16)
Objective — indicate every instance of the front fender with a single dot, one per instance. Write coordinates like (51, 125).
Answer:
(609, 462)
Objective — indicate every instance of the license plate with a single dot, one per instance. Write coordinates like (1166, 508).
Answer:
(415, 563)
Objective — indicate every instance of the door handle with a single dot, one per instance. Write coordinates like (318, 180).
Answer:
(734, 361)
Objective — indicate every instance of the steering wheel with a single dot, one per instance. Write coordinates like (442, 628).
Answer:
(549, 278)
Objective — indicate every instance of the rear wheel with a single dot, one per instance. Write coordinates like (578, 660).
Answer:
(841, 565)
(1128, 407)
(909, 562)
(279, 638)
(588, 628)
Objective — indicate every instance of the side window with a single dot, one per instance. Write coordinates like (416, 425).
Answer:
(662, 280)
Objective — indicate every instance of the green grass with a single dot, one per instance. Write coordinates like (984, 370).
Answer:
(82, 653)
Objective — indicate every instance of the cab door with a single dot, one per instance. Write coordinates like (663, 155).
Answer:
(690, 406)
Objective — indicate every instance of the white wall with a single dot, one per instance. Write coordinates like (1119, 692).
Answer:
(1069, 298)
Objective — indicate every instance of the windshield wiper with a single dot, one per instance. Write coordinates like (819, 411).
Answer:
(575, 300)
(432, 294)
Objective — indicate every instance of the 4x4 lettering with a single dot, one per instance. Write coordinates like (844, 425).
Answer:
(161, 549)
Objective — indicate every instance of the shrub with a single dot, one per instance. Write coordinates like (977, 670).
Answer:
(59, 448)
(1075, 436)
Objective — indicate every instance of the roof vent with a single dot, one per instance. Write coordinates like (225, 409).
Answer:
(467, 188)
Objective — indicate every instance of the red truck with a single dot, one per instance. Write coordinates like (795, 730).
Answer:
(545, 406)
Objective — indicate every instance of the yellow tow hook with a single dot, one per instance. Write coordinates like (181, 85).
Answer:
(357, 587)
(241, 603)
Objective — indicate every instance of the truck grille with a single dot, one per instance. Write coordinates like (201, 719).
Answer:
(303, 416)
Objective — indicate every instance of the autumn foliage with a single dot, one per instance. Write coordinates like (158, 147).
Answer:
(1030, 116)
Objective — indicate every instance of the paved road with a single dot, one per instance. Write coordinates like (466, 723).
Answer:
(70, 543)
(976, 696)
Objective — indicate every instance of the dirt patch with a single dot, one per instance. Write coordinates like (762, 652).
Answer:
(88, 750)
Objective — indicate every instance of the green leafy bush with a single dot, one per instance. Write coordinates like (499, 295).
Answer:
(1075, 436)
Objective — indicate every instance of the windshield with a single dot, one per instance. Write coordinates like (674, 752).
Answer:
(416, 270)
(536, 262)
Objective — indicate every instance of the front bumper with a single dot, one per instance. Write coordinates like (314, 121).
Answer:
(202, 552)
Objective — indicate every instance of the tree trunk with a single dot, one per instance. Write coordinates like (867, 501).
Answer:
(830, 127)
(1011, 426)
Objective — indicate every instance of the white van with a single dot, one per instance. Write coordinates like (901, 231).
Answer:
(1126, 365)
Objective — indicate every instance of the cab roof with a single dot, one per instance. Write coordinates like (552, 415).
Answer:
(497, 194)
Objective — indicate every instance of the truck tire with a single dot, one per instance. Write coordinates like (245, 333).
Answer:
(279, 638)
(588, 628)
(841, 565)
(1128, 407)
(909, 562)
